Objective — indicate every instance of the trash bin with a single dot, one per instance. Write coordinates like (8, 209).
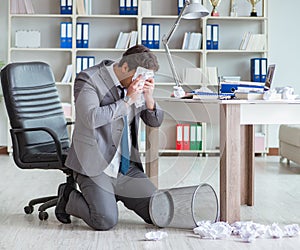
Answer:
(183, 207)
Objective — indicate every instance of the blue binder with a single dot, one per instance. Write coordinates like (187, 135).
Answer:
(69, 35)
(209, 36)
(144, 34)
(215, 36)
(79, 35)
(255, 69)
(156, 36)
(180, 4)
(66, 7)
(122, 8)
(134, 7)
(85, 35)
(66, 35)
(263, 69)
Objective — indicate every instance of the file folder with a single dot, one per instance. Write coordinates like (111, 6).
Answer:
(193, 137)
(85, 35)
(215, 36)
(263, 69)
(180, 4)
(144, 35)
(199, 136)
(128, 8)
(209, 36)
(84, 63)
(122, 8)
(150, 35)
(186, 136)
(156, 36)
(79, 35)
(78, 64)
(69, 35)
(179, 137)
(91, 61)
(69, 7)
(63, 7)
(63, 35)
(134, 8)
(255, 69)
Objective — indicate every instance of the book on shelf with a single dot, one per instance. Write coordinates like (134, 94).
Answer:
(21, 7)
(123, 40)
(68, 74)
(192, 41)
(80, 7)
(252, 41)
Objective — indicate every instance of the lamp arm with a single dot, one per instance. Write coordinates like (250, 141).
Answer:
(166, 39)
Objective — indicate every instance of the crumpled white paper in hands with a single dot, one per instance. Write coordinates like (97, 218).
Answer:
(248, 231)
(158, 235)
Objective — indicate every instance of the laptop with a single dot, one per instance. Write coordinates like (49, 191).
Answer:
(269, 77)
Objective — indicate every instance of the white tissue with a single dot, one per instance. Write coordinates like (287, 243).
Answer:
(271, 95)
(248, 230)
(158, 235)
(218, 230)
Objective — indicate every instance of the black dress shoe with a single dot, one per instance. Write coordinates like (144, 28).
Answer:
(60, 209)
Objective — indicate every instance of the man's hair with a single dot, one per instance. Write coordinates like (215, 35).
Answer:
(139, 55)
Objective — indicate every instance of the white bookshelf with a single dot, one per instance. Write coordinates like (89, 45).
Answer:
(105, 26)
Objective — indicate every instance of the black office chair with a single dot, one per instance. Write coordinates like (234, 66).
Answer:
(38, 131)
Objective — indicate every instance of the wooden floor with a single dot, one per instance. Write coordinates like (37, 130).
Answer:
(277, 199)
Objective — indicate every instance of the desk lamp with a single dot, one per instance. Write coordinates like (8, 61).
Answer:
(192, 9)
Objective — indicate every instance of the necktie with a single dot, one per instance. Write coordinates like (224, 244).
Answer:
(125, 157)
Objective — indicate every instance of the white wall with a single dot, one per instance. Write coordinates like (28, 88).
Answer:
(284, 47)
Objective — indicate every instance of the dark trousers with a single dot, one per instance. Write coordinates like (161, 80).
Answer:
(96, 204)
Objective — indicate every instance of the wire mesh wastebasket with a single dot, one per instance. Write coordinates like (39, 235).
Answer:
(183, 207)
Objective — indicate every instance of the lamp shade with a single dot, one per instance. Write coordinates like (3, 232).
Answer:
(194, 10)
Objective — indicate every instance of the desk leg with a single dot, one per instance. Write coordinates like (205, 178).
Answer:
(230, 159)
(152, 147)
(247, 165)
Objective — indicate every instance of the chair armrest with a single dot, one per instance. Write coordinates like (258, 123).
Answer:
(47, 130)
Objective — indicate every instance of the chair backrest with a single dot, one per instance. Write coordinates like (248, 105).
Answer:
(32, 101)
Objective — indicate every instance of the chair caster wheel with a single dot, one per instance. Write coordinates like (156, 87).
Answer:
(28, 209)
(43, 215)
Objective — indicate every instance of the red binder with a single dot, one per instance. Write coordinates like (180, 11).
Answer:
(179, 137)
(186, 136)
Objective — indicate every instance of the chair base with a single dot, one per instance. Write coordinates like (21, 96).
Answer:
(47, 202)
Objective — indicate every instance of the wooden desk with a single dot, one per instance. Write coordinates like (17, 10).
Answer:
(236, 119)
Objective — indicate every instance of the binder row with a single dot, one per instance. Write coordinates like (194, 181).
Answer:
(128, 7)
(212, 36)
(66, 35)
(66, 7)
(82, 35)
(188, 136)
(151, 35)
(258, 69)
(84, 62)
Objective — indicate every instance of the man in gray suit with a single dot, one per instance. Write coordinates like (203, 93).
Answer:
(105, 100)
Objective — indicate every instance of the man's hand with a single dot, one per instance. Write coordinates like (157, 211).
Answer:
(134, 90)
(148, 93)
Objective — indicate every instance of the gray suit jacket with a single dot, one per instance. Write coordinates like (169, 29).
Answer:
(99, 122)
